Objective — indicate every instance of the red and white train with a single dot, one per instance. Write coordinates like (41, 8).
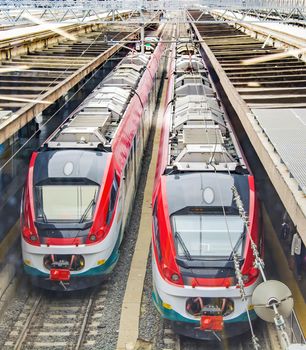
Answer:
(196, 223)
(81, 183)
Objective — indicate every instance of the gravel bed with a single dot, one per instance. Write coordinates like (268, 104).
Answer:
(150, 323)
(14, 308)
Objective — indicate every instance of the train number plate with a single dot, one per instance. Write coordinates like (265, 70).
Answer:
(59, 275)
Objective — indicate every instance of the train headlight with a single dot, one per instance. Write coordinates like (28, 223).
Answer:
(30, 236)
(33, 238)
(96, 236)
(172, 275)
(92, 237)
(175, 277)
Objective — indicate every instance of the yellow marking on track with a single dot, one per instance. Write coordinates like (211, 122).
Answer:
(284, 273)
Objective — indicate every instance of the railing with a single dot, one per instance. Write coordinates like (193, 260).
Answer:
(296, 333)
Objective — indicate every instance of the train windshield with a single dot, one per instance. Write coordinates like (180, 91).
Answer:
(63, 202)
(208, 236)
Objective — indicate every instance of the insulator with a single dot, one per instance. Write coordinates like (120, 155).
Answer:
(255, 342)
(239, 277)
(239, 205)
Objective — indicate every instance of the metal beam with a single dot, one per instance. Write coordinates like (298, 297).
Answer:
(59, 11)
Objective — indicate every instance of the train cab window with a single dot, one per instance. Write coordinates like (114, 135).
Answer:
(112, 200)
(77, 202)
(208, 235)
(156, 231)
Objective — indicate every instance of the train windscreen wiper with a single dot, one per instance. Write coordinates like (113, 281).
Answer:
(90, 205)
(236, 246)
(182, 244)
(41, 208)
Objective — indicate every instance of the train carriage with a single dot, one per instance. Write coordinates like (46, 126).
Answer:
(82, 181)
(196, 225)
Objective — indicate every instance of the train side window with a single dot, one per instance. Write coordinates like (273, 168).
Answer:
(156, 231)
(112, 200)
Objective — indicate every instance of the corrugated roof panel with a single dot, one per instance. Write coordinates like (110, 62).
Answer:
(286, 130)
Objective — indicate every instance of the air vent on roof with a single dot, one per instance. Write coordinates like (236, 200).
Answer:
(202, 134)
(77, 134)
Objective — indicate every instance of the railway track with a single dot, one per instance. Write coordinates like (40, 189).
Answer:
(61, 321)
(172, 341)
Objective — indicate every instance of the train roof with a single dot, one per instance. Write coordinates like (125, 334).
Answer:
(71, 164)
(205, 189)
(201, 139)
(94, 124)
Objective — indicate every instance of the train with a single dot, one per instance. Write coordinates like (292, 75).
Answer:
(81, 182)
(196, 225)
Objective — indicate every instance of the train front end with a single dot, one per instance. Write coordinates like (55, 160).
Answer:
(68, 218)
(197, 230)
